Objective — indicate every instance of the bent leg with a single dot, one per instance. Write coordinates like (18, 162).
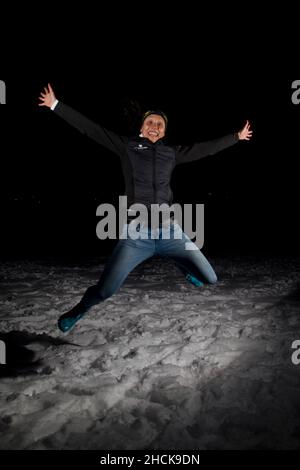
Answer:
(195, 264)
(191, 261)
(125, 257)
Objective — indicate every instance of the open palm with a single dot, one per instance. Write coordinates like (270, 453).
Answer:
(47, 97)
(246, 132)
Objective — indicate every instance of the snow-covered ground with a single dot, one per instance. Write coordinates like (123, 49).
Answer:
(160, 365)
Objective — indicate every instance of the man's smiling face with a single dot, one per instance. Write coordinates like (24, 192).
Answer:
(154, 127)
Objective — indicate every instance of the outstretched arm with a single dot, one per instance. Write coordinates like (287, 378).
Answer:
(102, 136)
(199, 150)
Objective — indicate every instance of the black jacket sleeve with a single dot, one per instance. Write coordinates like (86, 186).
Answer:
(102, 136)
(196, 151)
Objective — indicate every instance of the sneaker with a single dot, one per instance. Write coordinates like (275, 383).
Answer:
(68, 320)
(194, 280)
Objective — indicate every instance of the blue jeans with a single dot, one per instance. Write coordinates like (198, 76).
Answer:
(128, 253)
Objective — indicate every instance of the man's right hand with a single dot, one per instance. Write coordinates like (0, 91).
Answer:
(47, 97)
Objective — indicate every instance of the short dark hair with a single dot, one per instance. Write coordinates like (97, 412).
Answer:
(155, 111)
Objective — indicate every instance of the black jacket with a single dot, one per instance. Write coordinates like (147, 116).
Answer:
(147, 167)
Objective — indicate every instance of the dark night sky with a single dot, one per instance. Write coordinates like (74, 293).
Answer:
(53, 178)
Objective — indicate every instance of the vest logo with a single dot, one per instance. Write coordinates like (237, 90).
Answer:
(141, 147)
(2, 92)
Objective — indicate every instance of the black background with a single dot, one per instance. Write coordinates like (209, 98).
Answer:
(53, 178)
(209, 71)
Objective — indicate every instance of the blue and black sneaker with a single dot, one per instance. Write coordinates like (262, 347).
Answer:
(68, 320)
(193, 280)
